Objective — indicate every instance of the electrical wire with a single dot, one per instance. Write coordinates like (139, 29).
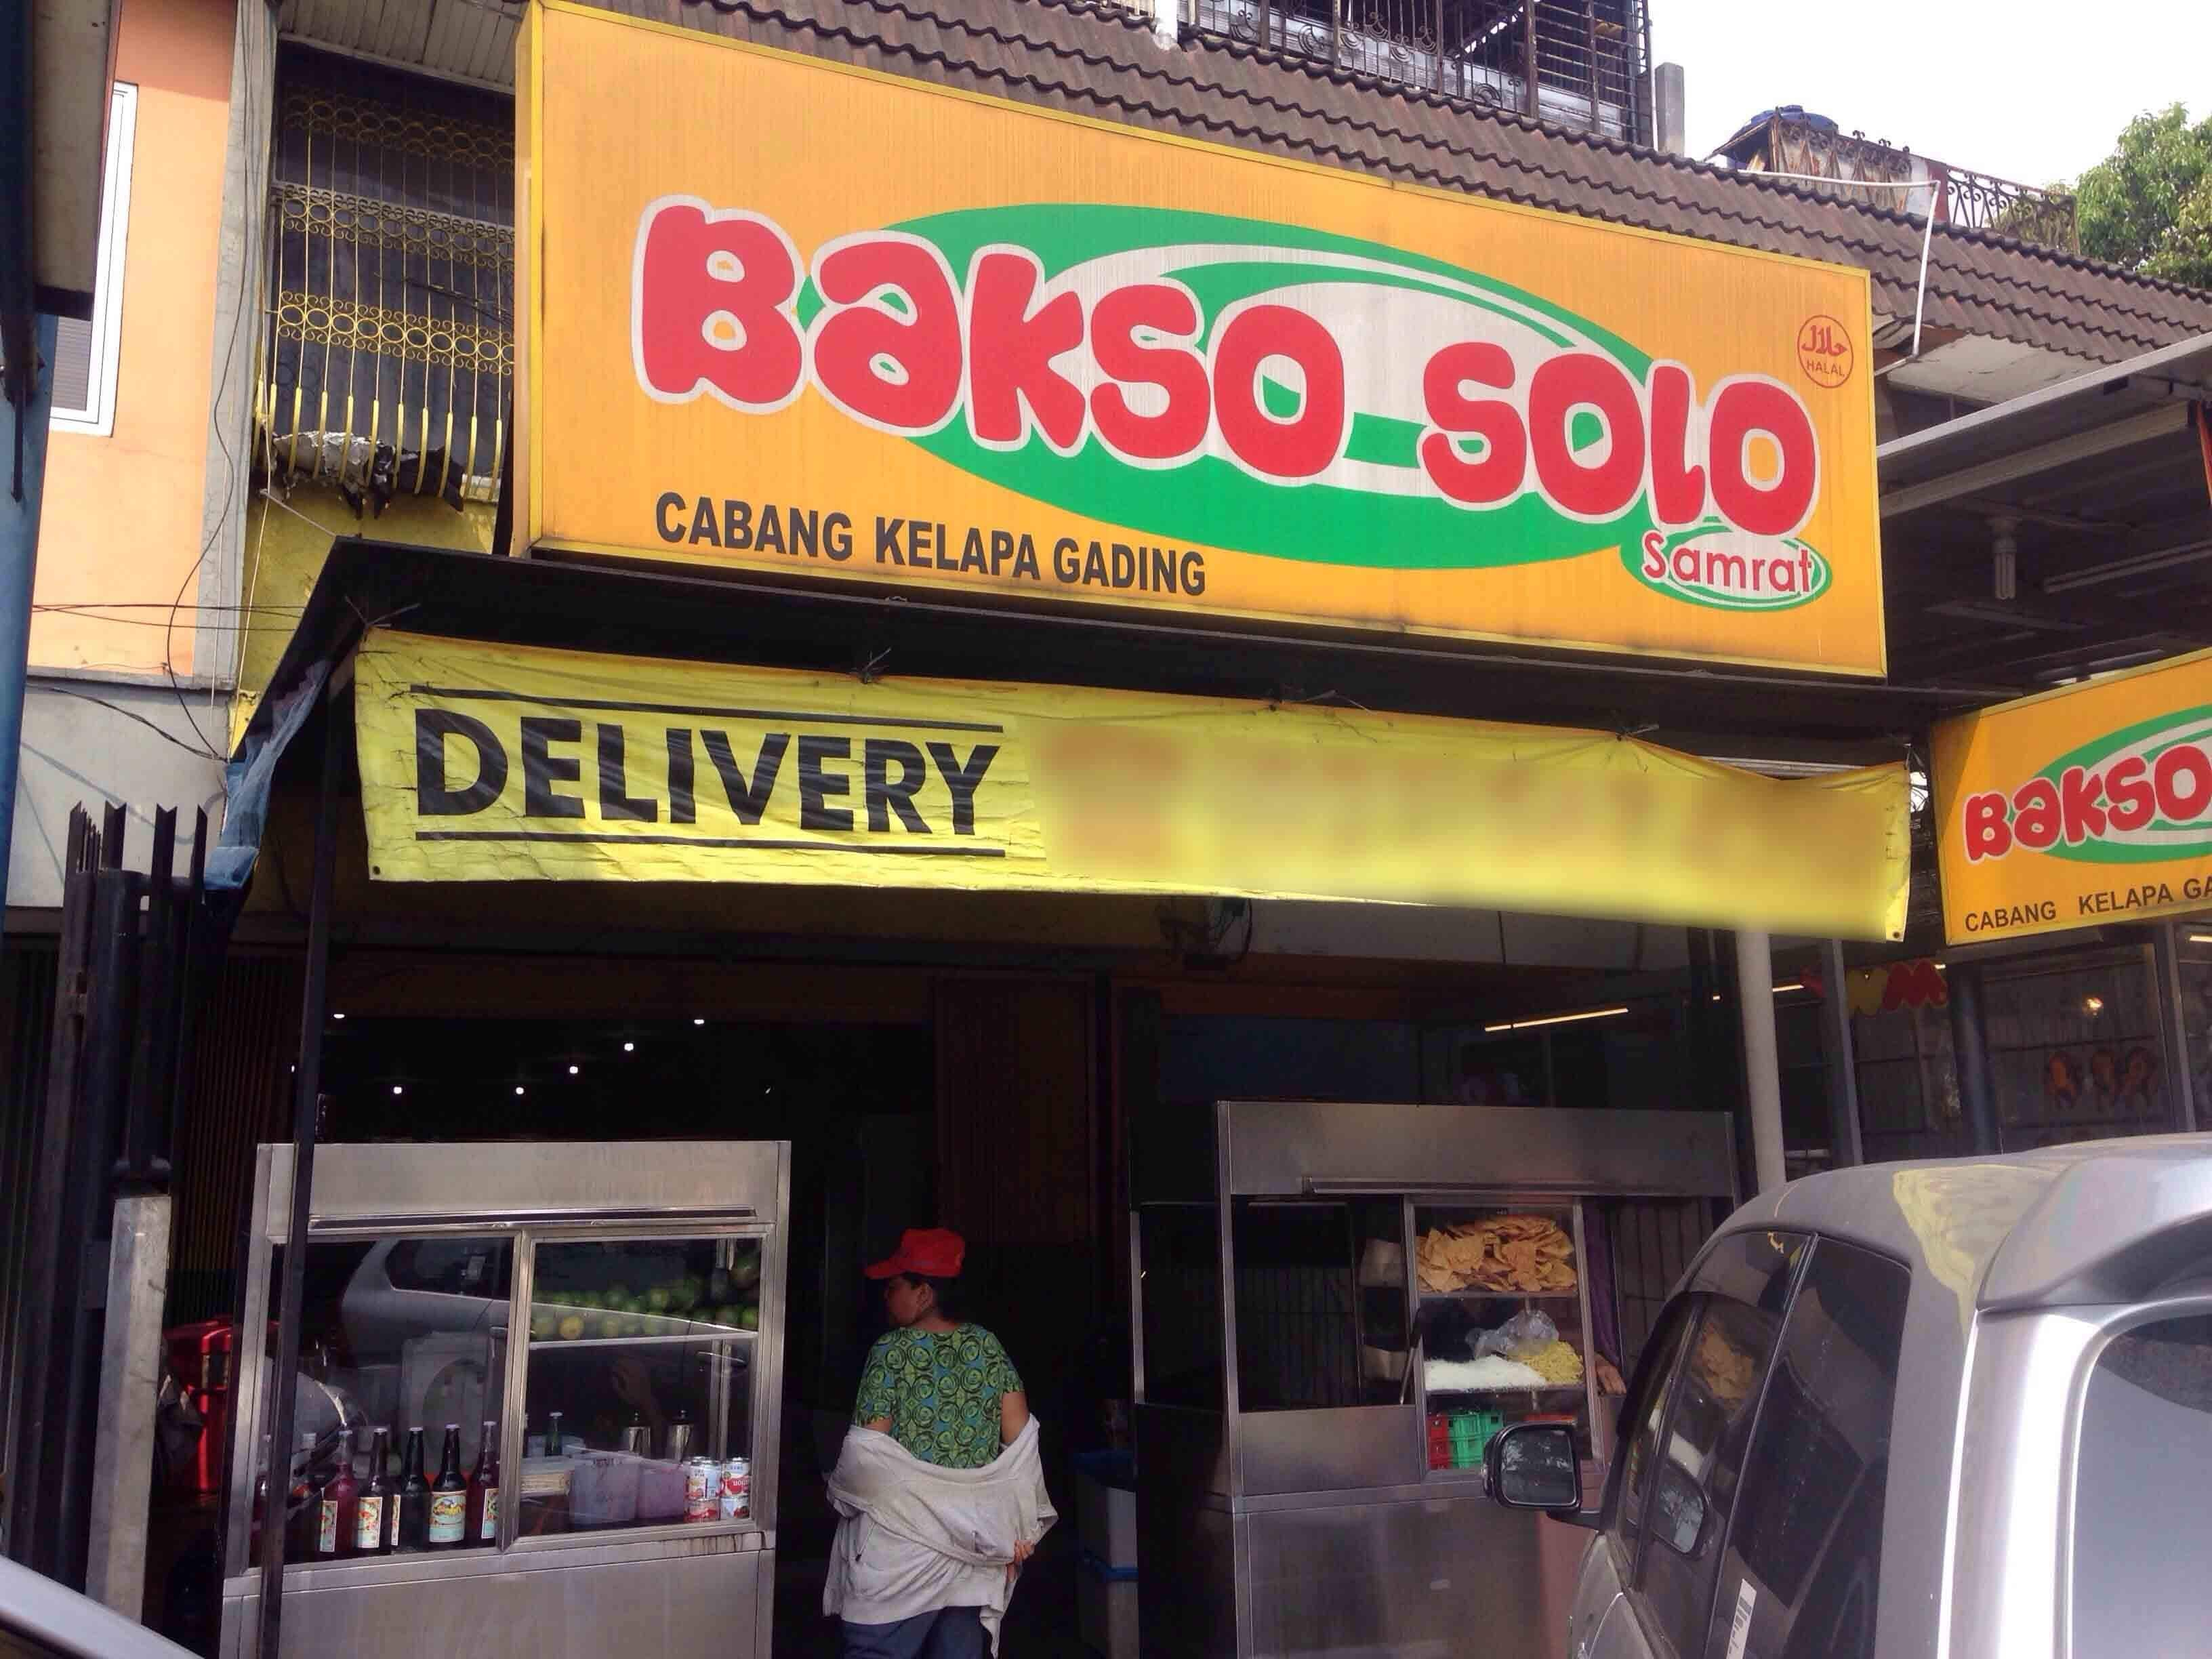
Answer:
(48, 689)
(250, 126)
(1927, 235)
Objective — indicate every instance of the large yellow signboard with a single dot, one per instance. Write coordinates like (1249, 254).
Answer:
(808, 322)
(483, 762)
(2085, 805)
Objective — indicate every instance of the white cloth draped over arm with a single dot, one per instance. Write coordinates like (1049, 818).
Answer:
(913, 1538)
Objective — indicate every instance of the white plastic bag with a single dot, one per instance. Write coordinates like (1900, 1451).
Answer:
(1529, 1329)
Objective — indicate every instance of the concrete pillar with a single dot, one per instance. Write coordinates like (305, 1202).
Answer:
(1762, 1060)
(130, 1380)
(241, 251)
(1669, 117)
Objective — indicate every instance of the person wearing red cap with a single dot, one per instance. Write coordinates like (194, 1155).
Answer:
(940, 1387)
(945, 1391)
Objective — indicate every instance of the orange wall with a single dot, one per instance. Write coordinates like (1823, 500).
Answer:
(121, 522)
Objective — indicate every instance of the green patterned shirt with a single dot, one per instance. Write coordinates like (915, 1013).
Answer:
(941, 1394)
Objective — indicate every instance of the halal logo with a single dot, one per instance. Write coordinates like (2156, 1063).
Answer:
(1824, 352)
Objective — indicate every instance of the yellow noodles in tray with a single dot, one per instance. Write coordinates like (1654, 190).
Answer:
(1555, 1361)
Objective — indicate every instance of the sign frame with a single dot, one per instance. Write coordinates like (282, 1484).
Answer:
(1735, 596)
(2057, 811)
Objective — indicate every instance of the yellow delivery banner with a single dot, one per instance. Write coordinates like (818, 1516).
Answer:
(2088, 804)
(808, 323)
(485, 763)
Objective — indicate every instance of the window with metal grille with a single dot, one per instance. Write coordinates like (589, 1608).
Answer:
(390, 354)
(1590, 58)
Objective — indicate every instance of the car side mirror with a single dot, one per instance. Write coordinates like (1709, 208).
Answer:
(1534, 1466)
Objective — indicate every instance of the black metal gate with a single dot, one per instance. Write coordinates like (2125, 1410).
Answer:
(136, 957)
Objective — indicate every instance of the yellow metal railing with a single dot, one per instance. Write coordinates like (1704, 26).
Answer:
(390, 287)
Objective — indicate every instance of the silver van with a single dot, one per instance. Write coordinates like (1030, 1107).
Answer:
(1958, 1408)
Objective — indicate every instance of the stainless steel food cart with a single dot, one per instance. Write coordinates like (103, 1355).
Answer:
(1299, 1270)
(635, 1288)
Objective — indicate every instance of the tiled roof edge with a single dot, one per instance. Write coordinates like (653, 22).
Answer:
(1559, 131)
(1127, 48)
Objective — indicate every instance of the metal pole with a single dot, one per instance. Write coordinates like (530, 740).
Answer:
(1762, 1063)
(1528, 54)
(1838, 1063)
(25, 447)
(112, 1015)
(33, 1452)
(1969, 1054)
(1590, 46)
(306, 1107)
(130, 1380)
(2175, 1025)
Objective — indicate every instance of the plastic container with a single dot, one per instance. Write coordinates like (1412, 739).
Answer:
(660, 1491)
(1471, 1432)
(603, 1490)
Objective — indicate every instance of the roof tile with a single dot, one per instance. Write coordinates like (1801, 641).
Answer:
(1097, 58)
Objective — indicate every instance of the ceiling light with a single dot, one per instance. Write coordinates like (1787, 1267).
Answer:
(576, 1071)
(1555, 1019)
(396, 1089)
(2004, 547)
(2200, 939)
(698, 1022)
(337, 1016)
(629, 1047)
(518, 1088)
(1793, 985)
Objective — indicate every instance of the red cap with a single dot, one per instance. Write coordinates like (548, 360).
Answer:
(924, 1253)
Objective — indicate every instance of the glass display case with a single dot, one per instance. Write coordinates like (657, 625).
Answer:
(1336, 1307)
(534, 1378)
(1503, 1325)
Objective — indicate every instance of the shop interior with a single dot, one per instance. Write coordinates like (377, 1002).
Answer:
(998, 1104)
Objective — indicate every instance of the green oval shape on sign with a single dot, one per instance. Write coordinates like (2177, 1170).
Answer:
(1391, 519)
(2149, 739)
(1730, 570)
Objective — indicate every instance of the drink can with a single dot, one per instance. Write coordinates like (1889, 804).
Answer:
(737, 1489)
(701, 1488)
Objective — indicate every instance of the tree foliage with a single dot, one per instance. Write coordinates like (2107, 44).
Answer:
(2148, 205)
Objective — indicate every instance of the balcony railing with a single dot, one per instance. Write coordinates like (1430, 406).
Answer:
(1581, 63)
(1789, 142)
(389, 349)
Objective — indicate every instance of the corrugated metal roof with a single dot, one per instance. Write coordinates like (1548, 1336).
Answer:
(468, 41)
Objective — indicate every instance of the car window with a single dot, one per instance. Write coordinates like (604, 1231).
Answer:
(2142, 1454)
(1642, 1415)
(1743, 1288)
(1805, 1546)
(456, 1267)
